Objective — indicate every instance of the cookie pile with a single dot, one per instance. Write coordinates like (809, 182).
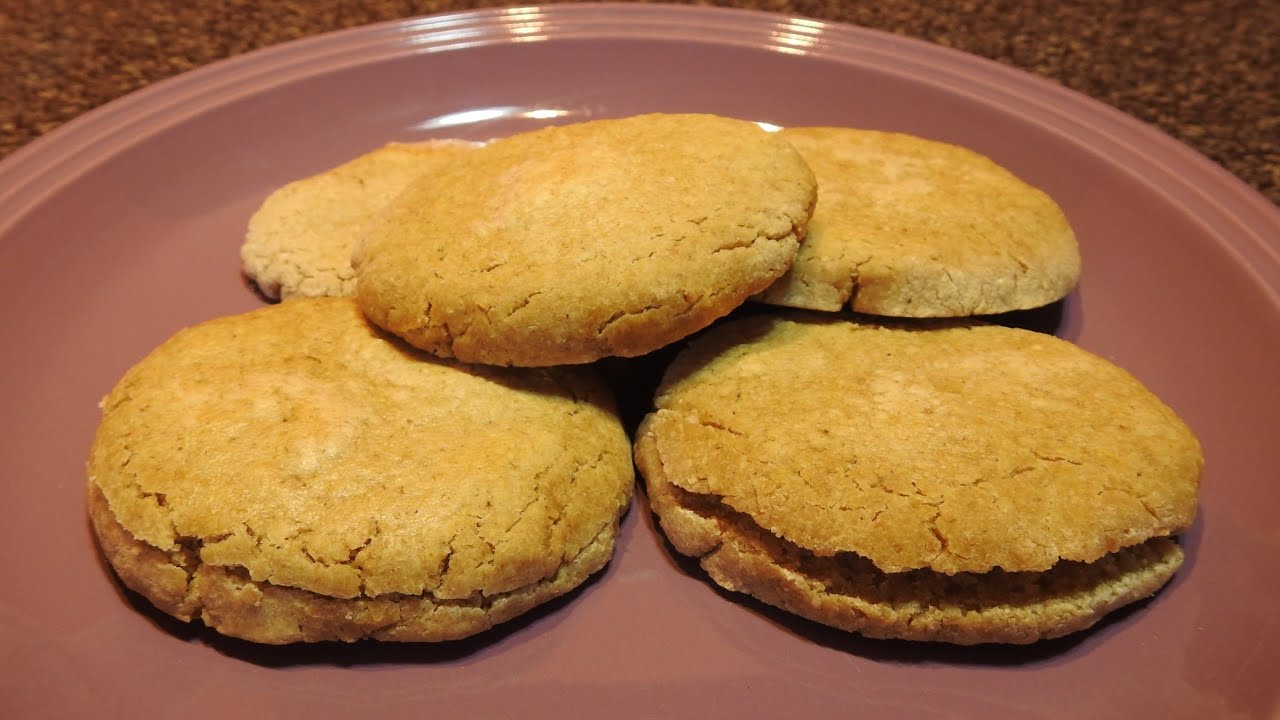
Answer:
(431, 451)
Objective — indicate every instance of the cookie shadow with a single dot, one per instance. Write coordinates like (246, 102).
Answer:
(252, 286)
(572, 383)
(1042, 653)
(1189, 540)
(541, 619)
(1062, 318)
(361, 652)
(634, 382)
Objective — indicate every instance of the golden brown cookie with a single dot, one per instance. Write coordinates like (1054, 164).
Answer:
(605, 238)
(959, 483)
(908, 227)
(291, 474)
(299, 241)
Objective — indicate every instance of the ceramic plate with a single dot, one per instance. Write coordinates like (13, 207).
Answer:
(124, 225)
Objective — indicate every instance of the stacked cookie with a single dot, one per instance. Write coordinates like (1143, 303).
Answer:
(347, 467)
(298, 474)
(299, 242)
(964, 483)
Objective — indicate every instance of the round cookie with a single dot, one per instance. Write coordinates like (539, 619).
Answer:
(572, 243)
(959, 483)
(908, 227)
(299, 241)
(290, 474)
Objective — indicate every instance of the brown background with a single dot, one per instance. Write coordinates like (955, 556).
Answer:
(1180, 290)
(1205, 72)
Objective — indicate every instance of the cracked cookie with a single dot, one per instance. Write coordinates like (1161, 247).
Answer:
(299, 241)
(960, 483)
(908, 227)
(572, 243)
(291, 474)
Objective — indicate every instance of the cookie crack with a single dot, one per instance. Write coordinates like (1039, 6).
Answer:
(447, 341)
(855, 282)
(159, 500)
(524, 303)
(618, 316)
(1055, 458)
(353, 553)
(943, 543)
(537, 490)
(741, 244)
(715, 425)
(446, 562)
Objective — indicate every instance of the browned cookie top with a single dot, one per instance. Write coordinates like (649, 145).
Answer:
(567, 244)
(300, 446)
(909, 227)
(956, 449)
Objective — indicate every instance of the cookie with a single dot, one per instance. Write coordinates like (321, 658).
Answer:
(573, 243)
(291, 474)
(299, 241)
(959, 483)
(908, 227)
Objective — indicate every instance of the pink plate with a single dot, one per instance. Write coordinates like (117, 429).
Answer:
(124, 226)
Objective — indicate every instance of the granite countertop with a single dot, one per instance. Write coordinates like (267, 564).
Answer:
(1204, 71)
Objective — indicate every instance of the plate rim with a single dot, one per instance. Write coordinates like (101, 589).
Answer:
(1210, 195)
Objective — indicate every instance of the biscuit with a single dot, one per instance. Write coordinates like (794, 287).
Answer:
(290, 474)
(959, 483)
(908, 227)
(299, 242)
(573, 243)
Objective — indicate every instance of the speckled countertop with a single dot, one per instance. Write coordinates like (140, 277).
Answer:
(1205, 71)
